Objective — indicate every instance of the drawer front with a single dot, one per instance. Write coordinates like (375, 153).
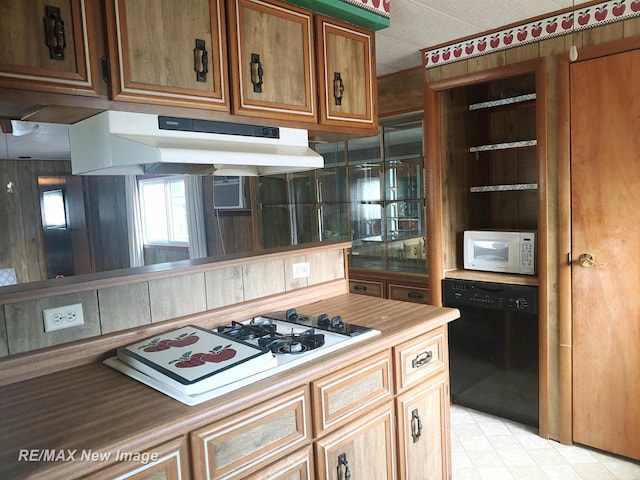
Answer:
(235, 447)
(420, 358)
(340, 397)
(409, 294)
(297, 466)
(364, 287)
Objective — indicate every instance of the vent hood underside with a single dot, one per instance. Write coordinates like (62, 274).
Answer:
(124, 143)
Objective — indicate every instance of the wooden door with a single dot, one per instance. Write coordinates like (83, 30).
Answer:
(271, 59)
(346, 65)
(44, 46)
(364, 449)
(422, 432)
(605, 183)
(168, 53)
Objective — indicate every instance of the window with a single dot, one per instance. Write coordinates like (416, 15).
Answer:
(53, 209)
(164, 211)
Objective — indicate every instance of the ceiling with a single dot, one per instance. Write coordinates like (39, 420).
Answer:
(418, 24)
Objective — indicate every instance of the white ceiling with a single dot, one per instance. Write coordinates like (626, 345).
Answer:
(418, 24)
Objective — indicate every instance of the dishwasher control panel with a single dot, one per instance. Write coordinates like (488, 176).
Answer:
(498, 296)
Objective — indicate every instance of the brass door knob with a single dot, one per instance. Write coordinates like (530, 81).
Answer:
(586, 260)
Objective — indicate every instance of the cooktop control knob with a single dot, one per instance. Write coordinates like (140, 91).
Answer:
(336, 322)
(291, 314)
(323, 320)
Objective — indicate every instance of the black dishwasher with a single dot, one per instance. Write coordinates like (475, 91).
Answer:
(493, 348)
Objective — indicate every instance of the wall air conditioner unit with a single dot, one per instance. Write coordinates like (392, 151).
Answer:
(229, 193)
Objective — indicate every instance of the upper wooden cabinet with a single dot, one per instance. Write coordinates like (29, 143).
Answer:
(346, 66)
(168, 53)
(271, 51)
(45, 46)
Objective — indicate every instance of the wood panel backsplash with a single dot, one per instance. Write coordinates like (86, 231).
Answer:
(134, 303)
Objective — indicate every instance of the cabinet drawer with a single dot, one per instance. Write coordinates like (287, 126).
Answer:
(409, 294)
(235, 447)
(297, 466)
(339, 397)
(364, 287)
(419, 358)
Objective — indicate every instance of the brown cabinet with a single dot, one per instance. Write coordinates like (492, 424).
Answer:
(296, 466)
(422, 406)
(168, 53)
(248, 441)
(45, 46)
(423, 427)
(363, 449)
(394, 286)
(271, 51)
(169, 461)
(346, 67)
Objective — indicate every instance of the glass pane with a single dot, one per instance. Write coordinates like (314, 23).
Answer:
(304, 224)
(364, 183)
(364, 150)
(334, 225)
(179, 231)
(53, 208)
(276, 228)
(332, 185)
(404, 179)
(403, 140)
(154, 213)
(302, 188)
(273, 190)
(333, 153)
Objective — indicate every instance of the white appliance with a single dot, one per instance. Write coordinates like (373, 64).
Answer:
(500, 251)
(126, 143)
(229, 193)
(291, 339)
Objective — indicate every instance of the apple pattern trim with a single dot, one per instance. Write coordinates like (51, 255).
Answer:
(380, 7)
(541, 29)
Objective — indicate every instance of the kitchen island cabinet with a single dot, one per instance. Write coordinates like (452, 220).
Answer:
(113, 413)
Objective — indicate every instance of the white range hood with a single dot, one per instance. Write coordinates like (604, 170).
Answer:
(125, 143)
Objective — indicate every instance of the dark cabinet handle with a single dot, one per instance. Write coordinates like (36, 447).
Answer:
(256, 73)
(201, 60)
(415, 295)
(422, 359)
(342, 462)
(54, 32)
(360, 288)
(338, 88)
(416, 426)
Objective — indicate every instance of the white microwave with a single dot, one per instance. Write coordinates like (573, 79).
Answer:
(498, 251)
(229, 192)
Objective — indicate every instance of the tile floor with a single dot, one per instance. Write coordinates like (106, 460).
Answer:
(485, 447)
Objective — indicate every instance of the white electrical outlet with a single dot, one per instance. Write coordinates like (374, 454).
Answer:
(301, 270)
(62, 317)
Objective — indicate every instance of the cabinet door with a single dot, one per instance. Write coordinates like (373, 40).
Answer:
(169, 461)
(45, 46)
(271, 60)
(238, 446)
(363, 449)
(347, 65)
(169, 53)
(423, 422)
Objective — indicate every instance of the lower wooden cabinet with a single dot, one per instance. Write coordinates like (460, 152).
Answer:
(393, 286)
(363, 449)
(168, 461)
(423, 431)
(240, 445)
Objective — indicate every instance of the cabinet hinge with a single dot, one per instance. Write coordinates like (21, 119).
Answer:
(106, 70)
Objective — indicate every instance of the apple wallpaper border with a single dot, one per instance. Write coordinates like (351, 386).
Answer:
(540, 29)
